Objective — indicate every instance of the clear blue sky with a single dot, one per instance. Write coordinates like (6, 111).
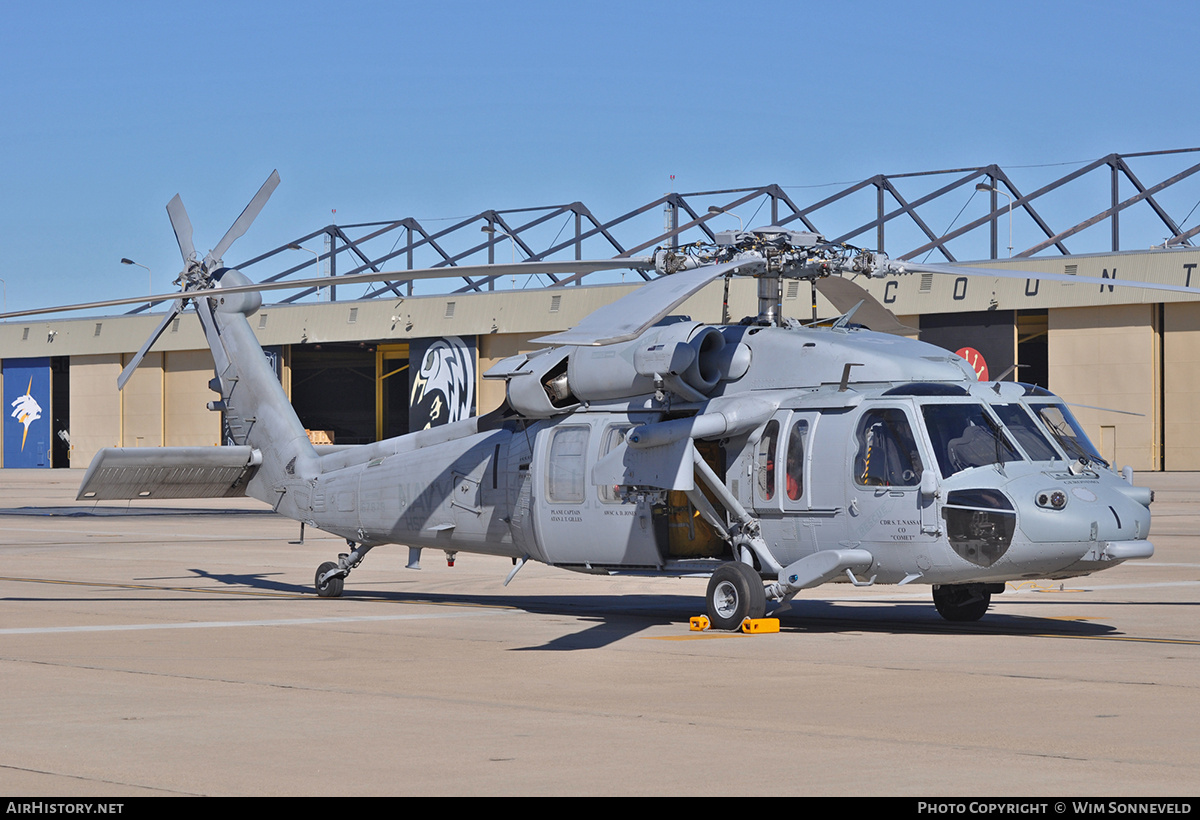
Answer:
(384, 110)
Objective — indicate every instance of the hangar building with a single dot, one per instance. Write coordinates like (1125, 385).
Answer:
(360, 368)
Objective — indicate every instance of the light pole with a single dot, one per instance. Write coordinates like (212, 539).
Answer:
(983, 186)
(295, 247)
(149, 278)
(491, 229)
(713, 209)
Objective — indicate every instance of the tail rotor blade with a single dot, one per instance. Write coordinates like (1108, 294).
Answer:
(183, 229)
(127, 373)
(243, 222)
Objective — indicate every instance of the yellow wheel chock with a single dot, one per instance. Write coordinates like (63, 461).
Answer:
(756, 626)
(750, 626)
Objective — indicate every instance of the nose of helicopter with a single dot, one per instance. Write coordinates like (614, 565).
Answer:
(1092, 522)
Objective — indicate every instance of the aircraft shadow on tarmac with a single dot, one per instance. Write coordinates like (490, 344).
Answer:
(610, 618)
(606, 619)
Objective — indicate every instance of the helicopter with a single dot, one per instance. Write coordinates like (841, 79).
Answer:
(769, 455)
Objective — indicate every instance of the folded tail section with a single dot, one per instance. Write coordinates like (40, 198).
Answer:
(257, 411)
(270, 453)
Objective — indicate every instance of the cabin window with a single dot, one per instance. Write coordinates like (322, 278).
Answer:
(964, 436)
(795, 459)
(887, 451)
(613, 436)
(565, 466)
(765, 459)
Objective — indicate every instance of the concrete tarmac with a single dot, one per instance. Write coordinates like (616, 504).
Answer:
(147, 650)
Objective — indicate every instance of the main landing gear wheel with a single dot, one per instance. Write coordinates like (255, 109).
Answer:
(332, 588)
(735, 593)
(961, 602)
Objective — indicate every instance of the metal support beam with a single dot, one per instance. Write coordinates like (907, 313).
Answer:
(372, 246)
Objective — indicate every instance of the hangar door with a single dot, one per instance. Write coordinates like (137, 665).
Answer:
(36, 405)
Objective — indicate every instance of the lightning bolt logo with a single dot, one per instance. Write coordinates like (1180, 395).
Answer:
(26, 411)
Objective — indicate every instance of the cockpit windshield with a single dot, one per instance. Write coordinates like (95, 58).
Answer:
(964, 435)
(1067, 432)
(1025, 430)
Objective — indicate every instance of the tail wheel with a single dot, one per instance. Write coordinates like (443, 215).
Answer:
(735, 592)
(961, 602)
(332, 588)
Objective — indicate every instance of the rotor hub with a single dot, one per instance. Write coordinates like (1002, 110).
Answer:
(778, 252)
(773, 253)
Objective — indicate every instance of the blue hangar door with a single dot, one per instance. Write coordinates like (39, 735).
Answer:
(27, 413)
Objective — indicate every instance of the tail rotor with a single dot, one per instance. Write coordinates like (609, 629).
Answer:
(198, 276)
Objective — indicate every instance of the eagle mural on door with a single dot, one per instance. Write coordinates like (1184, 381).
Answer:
(443, 381)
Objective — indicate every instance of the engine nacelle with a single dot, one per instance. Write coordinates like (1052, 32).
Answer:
(537, 382)
(687, 358)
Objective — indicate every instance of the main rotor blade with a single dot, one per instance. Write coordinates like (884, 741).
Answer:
(844, 294)
(515, 269)
(127, 373)
(243, 222)
(1008, 273)
(183, 229)
(627, 317)
(1106, 409)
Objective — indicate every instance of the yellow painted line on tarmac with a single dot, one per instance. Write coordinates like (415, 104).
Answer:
(1066, 618)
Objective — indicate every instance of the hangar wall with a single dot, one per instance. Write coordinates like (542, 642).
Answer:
(96, 420)
(1181, 382)
(1108, 357)
(491, 350)
(142, 400)
(162, 404)
(187, 421)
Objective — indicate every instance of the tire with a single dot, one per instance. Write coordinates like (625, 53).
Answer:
(735, 593)
(961, 603)
(331, 588)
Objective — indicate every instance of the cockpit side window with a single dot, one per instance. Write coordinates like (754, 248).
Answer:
(964, 435)
(887, 451)
(765, 457)
(1067, 432)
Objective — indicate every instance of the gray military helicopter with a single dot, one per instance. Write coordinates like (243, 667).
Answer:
(768, 455)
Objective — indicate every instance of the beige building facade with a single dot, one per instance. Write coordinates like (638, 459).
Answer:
(1127, 359)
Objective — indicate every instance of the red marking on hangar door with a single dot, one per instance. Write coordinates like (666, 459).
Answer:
(976, 360)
